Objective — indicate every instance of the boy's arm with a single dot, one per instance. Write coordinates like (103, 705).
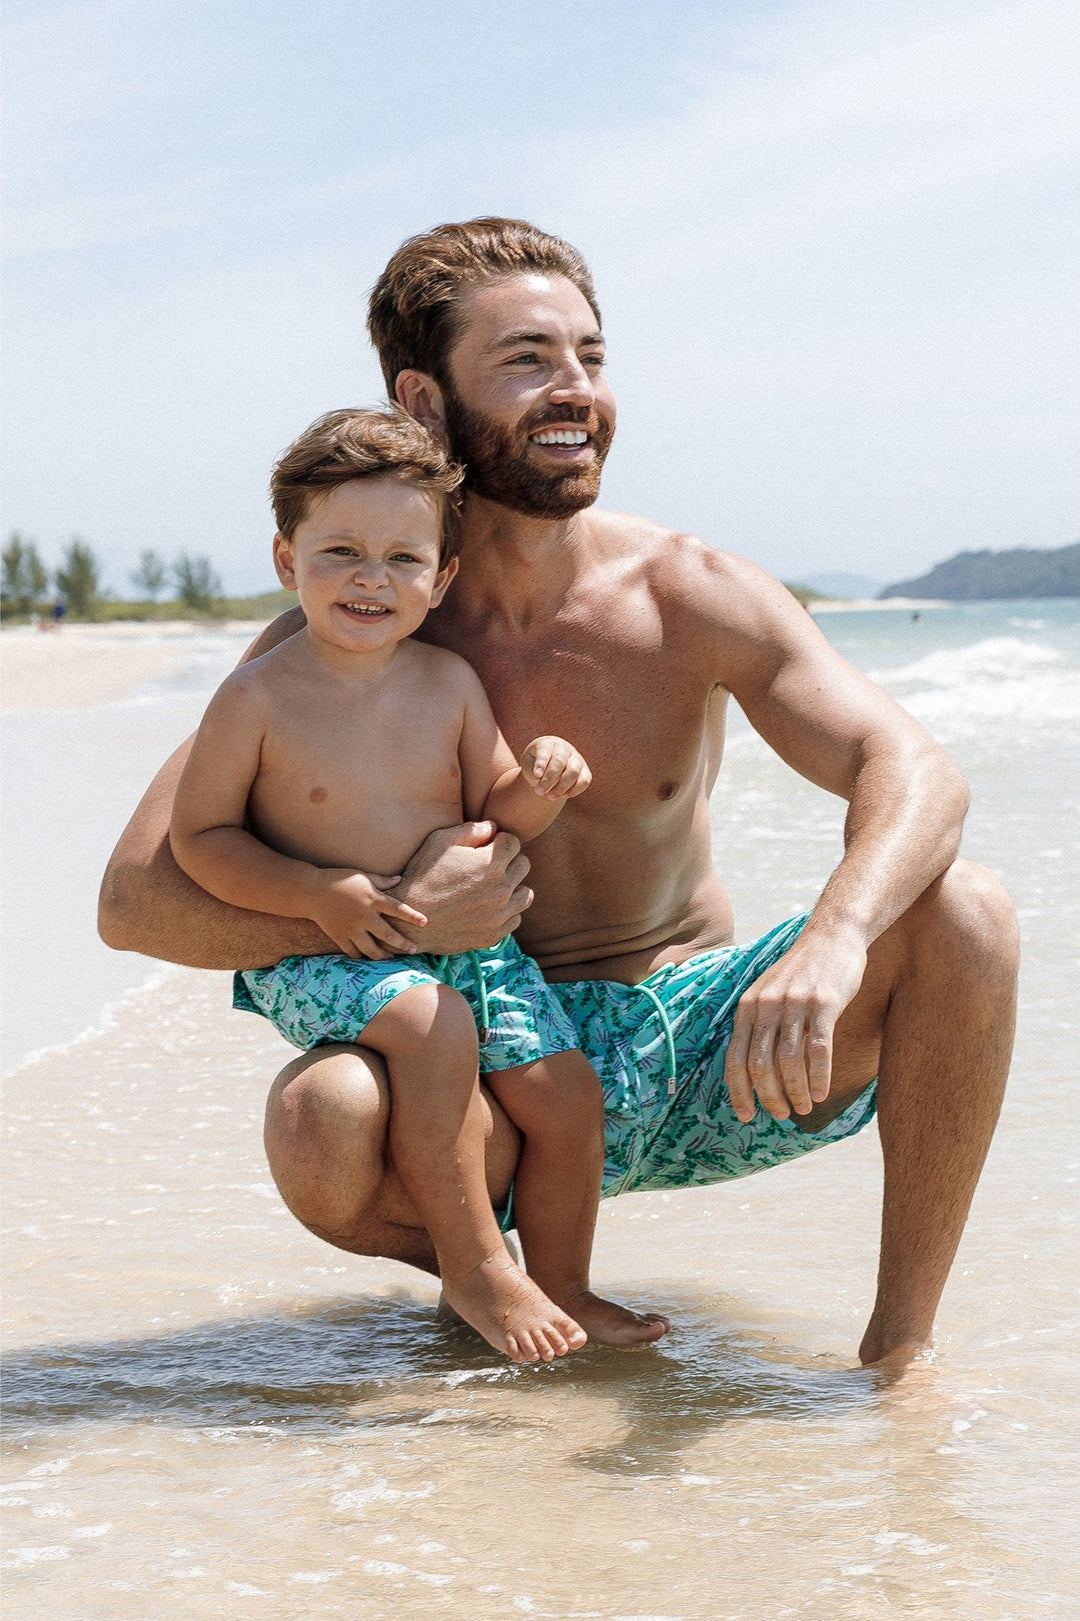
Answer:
(212, 846)
(522, 799)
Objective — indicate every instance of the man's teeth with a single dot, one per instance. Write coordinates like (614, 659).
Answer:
(560, 436)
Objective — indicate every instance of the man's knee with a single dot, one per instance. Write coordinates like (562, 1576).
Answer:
(975, 919)
(325, 1137)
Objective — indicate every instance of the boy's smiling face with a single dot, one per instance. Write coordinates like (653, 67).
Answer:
(365, 561)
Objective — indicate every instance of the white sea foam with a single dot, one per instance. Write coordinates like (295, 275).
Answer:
(997, 678)
(111, 1015)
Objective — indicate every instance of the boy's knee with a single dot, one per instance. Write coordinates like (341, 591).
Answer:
(435, 1012)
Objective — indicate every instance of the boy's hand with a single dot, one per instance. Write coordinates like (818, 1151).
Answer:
(553, 768)
(354, 911)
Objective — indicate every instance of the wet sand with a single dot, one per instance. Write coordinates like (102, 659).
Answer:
(210, 1413)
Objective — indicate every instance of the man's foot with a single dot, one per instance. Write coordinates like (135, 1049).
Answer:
(891, 1365)
(608, 1324)
(512, 1314)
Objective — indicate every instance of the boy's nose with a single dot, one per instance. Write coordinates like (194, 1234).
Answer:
(370, 571)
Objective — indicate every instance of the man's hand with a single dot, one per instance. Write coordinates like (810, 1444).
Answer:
(782, 1042)
(354, 910)
(469, 883)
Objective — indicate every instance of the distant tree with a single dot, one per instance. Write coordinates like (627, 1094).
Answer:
(150, 576)
(25, 578)
(78, 579)
(197, 586)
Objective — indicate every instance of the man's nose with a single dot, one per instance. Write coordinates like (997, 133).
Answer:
(572, 385)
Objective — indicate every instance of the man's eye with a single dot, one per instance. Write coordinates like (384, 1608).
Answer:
(592, 360)
(342, 551)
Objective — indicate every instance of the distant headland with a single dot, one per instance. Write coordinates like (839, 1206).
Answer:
(986, 576)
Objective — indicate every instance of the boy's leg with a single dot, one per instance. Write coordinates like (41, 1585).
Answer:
(428, 1037)
(558, 1106)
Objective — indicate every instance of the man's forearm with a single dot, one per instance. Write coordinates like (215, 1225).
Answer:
(148, 904)
(902, 831)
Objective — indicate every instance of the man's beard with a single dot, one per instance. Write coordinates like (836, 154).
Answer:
(497, 464)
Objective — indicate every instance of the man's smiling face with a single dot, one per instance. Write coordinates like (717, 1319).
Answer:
(528, 409)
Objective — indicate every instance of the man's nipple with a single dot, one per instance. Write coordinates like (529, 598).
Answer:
(318, 795)
(668, 790)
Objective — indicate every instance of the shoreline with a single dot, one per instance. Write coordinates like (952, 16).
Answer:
(862, 605)
(82, 665)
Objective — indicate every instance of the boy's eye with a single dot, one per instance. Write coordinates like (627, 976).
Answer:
(405, 557)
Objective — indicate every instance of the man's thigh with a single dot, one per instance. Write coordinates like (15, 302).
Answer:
(660, 1048)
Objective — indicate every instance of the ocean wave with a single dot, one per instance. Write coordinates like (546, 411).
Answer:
(996, 678)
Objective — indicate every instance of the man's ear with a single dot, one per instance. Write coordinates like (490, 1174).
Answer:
(442, 580)
(421, 396)
(283, 562)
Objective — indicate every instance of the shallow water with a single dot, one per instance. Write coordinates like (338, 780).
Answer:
(209, 1413)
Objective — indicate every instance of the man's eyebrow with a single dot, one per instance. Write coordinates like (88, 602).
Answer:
(513, 339)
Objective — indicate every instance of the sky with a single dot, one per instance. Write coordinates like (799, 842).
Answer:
(833, 244)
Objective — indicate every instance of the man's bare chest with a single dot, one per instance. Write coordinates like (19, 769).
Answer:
(648, 729)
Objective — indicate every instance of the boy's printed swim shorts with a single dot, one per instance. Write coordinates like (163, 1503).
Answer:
(314, 1000)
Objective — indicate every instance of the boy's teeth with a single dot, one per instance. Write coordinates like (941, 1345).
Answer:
(561, 436)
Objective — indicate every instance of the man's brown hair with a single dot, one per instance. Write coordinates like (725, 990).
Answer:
(344, 445)
(412, 316)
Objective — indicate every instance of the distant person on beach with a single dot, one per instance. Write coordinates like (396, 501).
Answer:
(318, 771)
(895, 994)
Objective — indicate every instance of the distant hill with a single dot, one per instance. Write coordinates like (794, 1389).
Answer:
(983, 576)
(844, 585)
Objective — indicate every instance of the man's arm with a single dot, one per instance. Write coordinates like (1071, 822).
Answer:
(906, 806)
(467, 882)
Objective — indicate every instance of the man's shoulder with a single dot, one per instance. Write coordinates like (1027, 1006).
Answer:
(680, 566)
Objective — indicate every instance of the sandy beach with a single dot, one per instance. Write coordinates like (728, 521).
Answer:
(211, 1413)
(80, 666)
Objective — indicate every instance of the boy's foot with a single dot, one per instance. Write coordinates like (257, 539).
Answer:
(513, 1315)
(609, 1324)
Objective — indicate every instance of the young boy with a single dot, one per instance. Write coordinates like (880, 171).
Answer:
(317, 772)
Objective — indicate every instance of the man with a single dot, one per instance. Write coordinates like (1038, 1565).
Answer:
(628, 639)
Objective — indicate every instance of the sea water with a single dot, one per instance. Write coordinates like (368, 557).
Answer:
(210, 1413)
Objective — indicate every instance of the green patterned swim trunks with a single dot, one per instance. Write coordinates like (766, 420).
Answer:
(659, 1049)
(313, 1000)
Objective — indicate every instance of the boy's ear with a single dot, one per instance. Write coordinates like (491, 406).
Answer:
(283, 562)
(419, 394)
(442, 580)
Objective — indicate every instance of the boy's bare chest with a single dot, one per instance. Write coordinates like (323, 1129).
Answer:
(360, 759)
